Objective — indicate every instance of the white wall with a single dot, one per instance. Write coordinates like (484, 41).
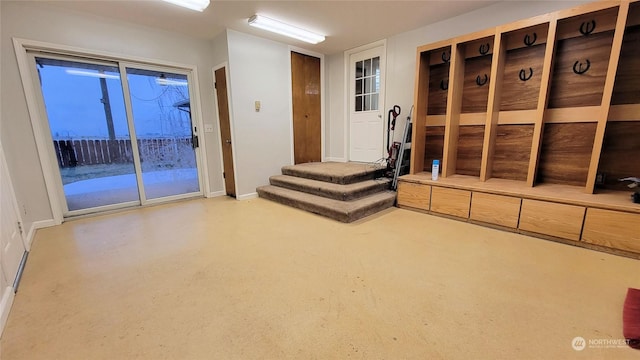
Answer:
(39, 21)
(335, 123)
(401, 58)
(220, 49)
(259, 70)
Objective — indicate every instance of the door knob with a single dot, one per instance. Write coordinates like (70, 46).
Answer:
(228, 141)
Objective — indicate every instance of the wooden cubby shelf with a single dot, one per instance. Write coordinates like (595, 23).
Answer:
(540, 115)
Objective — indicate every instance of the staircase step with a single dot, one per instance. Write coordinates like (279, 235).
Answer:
(344, 211)
(335, 172)
(331, 190)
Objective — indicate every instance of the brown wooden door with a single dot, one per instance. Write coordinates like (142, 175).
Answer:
(225, 131)
(305, 84)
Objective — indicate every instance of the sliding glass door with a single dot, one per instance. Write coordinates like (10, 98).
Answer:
(91, 140)
(162, 119)
(121, 135)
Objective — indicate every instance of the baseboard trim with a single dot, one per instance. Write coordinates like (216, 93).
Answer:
(216, 194)
(32, 231)
(335, 159)
(5, 307)
(247, 196)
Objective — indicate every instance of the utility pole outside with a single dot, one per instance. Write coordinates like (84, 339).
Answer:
(107, 108)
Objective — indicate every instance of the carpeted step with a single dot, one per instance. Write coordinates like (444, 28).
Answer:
(331, 190)
(335, 172)
(345, 211)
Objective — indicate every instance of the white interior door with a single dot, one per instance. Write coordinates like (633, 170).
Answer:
(11, 241)
(366, 123)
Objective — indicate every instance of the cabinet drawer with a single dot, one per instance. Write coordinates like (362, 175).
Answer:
(560, 220)
(495, 209)
(413, 195)
(450, 201)
(613, 229)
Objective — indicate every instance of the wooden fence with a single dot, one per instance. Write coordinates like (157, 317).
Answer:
(72, 153)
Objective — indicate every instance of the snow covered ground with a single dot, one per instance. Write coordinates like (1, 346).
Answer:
(123, 188)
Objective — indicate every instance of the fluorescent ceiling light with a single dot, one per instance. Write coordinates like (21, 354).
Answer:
(91, 74)
(197, 5)
(281, 28)
(165, 82)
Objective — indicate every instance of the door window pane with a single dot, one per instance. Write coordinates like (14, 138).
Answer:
(367, 82)
(162, 119)
(88, 124)
(359, 87)
(374, 102)
(367, 85)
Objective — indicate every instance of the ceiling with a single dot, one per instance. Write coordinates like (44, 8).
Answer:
(347, 24)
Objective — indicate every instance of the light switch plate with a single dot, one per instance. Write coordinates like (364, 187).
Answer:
(208, 128)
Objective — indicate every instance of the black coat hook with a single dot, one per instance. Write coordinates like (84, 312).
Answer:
(444, 85)
(529, 41)
(577, 67)
(587, 28)
(446, 59)
(523, 74)
(484, 49)
(480, 81)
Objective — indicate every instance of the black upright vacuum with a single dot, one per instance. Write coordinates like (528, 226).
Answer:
(392, 148)
(399, 153)
(402, 164)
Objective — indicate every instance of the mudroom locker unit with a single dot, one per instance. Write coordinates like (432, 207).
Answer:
(534, 123)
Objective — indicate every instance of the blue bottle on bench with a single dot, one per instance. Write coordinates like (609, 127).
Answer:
(435, 168)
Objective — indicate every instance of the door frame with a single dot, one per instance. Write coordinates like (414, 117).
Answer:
(14, 200)
(7, 293)
(38, 116)
(322, 102)
(347, 93)
(227, 74)
(51, 154)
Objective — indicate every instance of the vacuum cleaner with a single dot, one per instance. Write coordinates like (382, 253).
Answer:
(392, 149)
